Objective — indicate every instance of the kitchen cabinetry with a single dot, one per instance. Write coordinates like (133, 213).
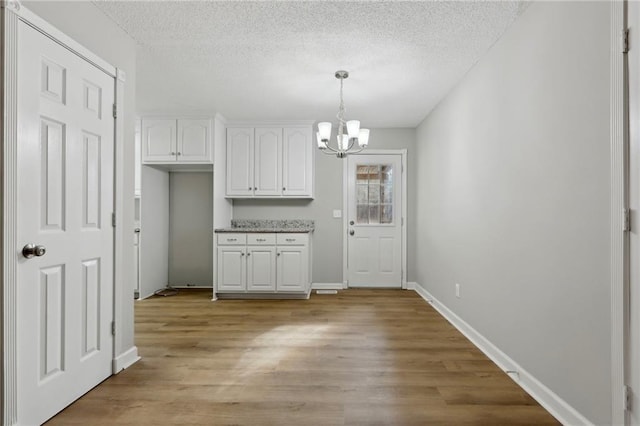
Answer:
(269, 162)
(176, 140)
(265, 263)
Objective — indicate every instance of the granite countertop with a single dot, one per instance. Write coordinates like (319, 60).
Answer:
(269, 226)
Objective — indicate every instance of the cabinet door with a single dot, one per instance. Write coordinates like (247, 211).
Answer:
(297, 179)
(194, 141)
(231, 269)
(158, 141)
(261, 268)
(292, 267)
(240, 161)
(267, 163)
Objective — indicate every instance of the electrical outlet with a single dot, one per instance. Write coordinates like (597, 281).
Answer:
(337, 213)
(457, 290)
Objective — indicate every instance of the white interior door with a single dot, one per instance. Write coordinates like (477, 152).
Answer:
(65, 200)
(374, 213)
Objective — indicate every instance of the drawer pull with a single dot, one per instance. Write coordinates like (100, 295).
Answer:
(232, 239)
(290, 239)
(260, 239)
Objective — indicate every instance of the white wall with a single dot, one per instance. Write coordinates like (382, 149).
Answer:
(190, 229)
(83, 22)
(327, 238)
(513, 198)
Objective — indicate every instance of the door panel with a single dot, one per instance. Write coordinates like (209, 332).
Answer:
(240, 161)
(193, 140)
(261, 271)
(268, 154)
(374, 212)
(65, 186)
(292, 268)
(231, 269)
(297, 176)
(159, 140)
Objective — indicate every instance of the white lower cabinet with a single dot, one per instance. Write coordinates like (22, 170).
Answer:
(263, 263)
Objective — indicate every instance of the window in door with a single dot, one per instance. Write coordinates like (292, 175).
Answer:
(374, 186)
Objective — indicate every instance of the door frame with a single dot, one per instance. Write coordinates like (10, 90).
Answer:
(11, 13)
(345, 210)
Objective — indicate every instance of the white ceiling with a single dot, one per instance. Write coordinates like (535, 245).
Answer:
(275, 60)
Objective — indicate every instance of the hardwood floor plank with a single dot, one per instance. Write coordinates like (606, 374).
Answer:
(360, 357)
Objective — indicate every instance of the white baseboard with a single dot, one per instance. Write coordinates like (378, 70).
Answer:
(326, 286)
(411, 285)
(555, 405)
(125, 360)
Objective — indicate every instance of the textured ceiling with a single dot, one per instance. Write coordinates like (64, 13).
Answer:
(275, 60)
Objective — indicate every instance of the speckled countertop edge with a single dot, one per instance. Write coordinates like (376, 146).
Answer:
(270, 226)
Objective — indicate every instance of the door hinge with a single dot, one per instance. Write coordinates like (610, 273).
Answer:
(626, 398)
(626, 225)
(624, 41)
(113, 328)
(115, 111)
(113, 219)
(136, 294)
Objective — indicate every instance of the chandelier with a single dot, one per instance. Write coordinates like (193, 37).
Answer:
(353, 140)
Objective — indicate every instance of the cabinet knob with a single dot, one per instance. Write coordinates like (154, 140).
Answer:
(248, 254)
(241, 254)
(250, 188)
(284, 189)
(278, 254)
(255, 189)
(179, 153)
(173, 153)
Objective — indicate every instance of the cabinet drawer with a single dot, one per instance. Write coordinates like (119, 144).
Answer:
(232, 239)
(261, 239)
(292, 239)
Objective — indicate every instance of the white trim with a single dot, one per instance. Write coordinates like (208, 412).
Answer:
(9, 124)
(412, 285)
(618, 201)
(125, 360)
(345, 216)
(64, 40)
(326, 286)
(555, 405)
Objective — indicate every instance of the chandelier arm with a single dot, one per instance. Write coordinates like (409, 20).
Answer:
(330, 148)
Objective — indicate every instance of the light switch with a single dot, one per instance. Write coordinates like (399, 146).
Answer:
(337, 213)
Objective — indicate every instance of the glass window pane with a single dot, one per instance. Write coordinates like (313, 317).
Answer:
(374, 194)
(387, 194)
(363, 213)
(374, 214)
(363, 194)
(362, 174)
(387, 214)
(387, 173)
(374, 174)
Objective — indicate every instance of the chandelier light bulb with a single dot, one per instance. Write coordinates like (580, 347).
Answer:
(353, 128)
(363, 137)
(324, 130)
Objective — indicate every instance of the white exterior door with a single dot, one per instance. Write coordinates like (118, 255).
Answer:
(375, 220)
(65, 187)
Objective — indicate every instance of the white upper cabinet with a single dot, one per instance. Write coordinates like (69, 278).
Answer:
(269, 162)
(240, 162)
(194, 138)
(297, 176)
(158, 140)
(176, 141)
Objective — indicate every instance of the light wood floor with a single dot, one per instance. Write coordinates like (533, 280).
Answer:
(362, 357)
